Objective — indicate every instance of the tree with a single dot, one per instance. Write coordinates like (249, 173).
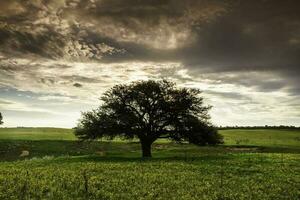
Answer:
(149, 110)
(1, 122)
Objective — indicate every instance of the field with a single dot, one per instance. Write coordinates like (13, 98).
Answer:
(33, 134)
(252, 164)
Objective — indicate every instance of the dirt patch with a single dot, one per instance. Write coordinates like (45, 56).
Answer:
(24, 153)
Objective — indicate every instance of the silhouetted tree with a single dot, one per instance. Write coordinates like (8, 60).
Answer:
(1, 118)
(150, 110)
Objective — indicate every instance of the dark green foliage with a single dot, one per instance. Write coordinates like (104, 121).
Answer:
(208, 134)
(1, 118)
(150, 110)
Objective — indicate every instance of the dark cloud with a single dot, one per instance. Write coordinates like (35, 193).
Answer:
(83, 79)
(254, 35)
(246, 36)
(37, 28)
(77, 85)
(47, 44)
(294, 91)
(161, 24)
(206, 36)
(229, 95)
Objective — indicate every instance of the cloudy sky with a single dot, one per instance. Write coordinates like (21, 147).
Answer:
(58, 56)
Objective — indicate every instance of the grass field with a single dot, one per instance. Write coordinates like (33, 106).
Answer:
(262, 137)
(36, 134)
(252, 164)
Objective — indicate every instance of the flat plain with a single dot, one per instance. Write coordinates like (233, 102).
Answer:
(252, 164)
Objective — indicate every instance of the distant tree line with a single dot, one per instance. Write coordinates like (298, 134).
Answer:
(258, 127)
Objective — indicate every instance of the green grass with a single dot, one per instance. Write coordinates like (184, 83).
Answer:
(248, 137)
(262, 137)
(36, 134)
(62, 142)
(201, 175)
(252, 164)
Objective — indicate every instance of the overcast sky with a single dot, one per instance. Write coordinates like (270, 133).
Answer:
(58, 56)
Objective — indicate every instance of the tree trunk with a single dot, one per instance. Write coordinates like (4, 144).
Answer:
(146, 148)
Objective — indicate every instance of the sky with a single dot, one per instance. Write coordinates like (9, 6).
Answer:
(58, 56)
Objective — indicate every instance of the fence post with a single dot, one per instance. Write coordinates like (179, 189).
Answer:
(86, 184)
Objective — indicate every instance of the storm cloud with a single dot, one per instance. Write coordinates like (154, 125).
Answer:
(233, 49)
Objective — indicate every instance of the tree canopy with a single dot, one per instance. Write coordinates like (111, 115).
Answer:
(1, 118)
(149, 110)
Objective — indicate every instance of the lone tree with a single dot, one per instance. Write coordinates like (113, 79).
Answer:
(1, 122)
(150, 110)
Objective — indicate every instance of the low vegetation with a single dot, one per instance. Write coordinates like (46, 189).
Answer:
(199, 176)
(256, 167)
(34, 134)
